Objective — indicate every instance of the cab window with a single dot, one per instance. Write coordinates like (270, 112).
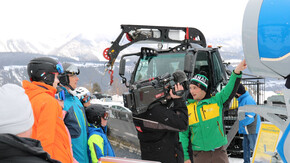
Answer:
(217, 68)
(154, 66)
(201, 63)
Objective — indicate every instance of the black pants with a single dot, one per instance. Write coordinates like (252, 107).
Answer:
(164, 153)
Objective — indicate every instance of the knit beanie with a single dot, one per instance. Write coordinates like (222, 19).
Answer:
(16, 115)
(241, 89)
(201, 81)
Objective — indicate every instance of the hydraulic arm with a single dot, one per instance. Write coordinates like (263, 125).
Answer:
(136, 33)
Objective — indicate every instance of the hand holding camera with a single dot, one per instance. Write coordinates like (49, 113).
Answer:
(177, 92)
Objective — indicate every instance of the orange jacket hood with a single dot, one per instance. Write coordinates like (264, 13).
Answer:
(32, 89)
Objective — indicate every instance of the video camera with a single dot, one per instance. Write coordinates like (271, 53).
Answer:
(144, 93)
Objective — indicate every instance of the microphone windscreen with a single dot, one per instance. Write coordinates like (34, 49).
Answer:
(179, 76)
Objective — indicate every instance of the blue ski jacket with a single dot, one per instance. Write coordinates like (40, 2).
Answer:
(252, 121)
(99, 145)
(76, 122)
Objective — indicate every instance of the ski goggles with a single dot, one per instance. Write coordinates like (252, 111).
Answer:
(59, 68)
(106, 115)
(86, 98)
(60, 94)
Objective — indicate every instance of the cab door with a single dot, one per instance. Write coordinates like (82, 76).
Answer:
(209, 61)
(218, 70)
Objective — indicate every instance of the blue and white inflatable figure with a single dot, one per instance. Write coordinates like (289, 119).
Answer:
(283, 147)
(266, 37)
(266, 44)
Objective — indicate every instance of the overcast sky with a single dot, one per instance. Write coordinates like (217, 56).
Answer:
(39, 19)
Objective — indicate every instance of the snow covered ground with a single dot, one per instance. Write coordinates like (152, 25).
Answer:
(125, 151)
(236, 160)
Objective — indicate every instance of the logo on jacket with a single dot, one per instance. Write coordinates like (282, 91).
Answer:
(139, 128)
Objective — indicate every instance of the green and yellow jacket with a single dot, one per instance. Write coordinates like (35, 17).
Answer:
(206, 120)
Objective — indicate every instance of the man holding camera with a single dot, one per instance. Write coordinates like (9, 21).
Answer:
(158, 128)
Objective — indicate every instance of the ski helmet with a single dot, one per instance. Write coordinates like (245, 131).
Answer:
(68, 69)
(43, 69)
(95, 112)
(71, 69)
(81, 93)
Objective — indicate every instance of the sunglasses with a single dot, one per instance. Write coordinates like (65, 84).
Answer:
(72, 75)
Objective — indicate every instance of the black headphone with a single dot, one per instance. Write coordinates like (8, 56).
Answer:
(63, 79)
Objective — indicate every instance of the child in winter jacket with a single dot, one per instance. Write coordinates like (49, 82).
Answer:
(99, 145)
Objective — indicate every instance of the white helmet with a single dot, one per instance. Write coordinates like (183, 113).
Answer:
(81, 92)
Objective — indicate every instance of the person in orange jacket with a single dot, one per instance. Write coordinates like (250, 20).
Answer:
(48, 127)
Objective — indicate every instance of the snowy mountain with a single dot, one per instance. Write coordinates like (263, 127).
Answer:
(87, 48)
(80, 48)
(31, 45)
(18, 46)
(75, 47)
(87, 52)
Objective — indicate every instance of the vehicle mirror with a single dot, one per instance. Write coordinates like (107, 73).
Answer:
(122, 67)
(188, 63)
(123, 80)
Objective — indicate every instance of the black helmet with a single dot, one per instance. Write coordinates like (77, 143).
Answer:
(43, 69)
(68, 69)
(95, 112)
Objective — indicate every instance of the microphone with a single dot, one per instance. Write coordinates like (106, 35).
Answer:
(179, 77)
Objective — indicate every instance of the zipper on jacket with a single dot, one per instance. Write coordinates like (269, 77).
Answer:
(192, 134)
(77, 120)
(203, 113)
(195, 113)
(219, 128)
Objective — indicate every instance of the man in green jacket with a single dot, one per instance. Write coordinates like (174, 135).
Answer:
(205, 119)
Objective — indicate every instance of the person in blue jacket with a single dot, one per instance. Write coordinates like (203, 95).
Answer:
(250, 125)
(99, 145)
(74, 113)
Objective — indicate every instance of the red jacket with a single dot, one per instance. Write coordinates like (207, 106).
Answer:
(48, 127)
